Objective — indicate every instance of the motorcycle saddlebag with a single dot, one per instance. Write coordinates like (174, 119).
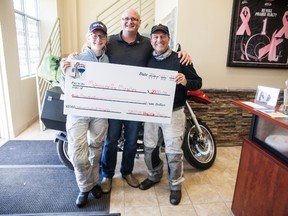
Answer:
(52, 112)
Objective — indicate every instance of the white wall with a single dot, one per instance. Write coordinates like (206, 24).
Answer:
(162, 9)
(47, 15)
(67, 11)
(206, 25)
(21, 104)
(75, 16)
(203, 29)
(18, 95)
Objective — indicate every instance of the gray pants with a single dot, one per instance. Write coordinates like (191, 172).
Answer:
(85, 140)
(173, 137)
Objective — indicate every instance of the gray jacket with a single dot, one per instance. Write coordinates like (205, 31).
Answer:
(87, 55)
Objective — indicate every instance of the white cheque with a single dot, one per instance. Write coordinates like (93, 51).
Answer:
(116, 91)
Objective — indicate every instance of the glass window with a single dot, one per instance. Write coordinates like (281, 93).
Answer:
(28, 35)
(18, 5)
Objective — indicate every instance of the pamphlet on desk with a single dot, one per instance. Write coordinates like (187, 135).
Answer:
(266, 101)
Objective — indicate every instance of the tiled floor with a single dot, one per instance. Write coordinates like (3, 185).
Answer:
(204, 193)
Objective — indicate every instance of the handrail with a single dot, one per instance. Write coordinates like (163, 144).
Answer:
(106, 9)
(56, 24)
(53, 46)
(109, 15)
(121, 6)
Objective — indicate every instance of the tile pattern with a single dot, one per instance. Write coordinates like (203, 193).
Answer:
(204, 193)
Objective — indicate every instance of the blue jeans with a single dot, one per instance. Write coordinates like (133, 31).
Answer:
(109, 153)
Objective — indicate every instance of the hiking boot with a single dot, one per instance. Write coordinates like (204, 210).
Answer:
(146, 184)
(175, 197)
(106, 185)
(131, 180)
(82, 199)
(96, 191)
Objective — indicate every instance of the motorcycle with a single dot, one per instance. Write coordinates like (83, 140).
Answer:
(199, 145)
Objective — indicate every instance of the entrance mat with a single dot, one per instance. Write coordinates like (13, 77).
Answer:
(34, 182)
(29, 152)
(67, 214)
(43, 190)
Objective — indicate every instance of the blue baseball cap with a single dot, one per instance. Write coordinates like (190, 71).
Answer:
(98, 26)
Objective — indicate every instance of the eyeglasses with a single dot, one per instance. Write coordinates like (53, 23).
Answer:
(133, 19)
(101, 37)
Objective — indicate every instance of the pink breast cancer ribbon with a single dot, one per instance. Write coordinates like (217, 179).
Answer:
(284, 29)
(270, 49)
(245, 17)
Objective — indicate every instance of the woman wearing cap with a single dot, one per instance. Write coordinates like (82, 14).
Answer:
(85, 151)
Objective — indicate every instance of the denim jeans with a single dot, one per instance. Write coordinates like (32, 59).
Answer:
(109, 154)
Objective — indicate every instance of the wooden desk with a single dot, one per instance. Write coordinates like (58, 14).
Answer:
(262, 180)
(283, 122)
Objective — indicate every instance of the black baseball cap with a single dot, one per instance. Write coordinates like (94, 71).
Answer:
(160, 27)
(98, 26)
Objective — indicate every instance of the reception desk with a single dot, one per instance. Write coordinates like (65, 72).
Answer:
(262, 180)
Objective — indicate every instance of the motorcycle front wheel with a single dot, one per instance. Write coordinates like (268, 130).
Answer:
(199, 153)
(62, 151)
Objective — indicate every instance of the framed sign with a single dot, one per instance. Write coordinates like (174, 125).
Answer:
(259, 34)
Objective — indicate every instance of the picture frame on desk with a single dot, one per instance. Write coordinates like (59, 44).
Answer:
(259, 34)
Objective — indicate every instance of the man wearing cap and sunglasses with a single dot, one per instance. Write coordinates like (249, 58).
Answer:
(86, 134)
(186, 79)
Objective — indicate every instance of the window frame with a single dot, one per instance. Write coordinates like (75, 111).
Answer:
(27, 64)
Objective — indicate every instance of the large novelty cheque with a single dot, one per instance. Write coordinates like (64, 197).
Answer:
(119, 92)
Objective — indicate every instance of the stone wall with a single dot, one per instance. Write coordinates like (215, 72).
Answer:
(228, 122)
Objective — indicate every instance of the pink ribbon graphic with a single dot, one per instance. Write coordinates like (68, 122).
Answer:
(271, 48)
(245, 17)
(284, 29)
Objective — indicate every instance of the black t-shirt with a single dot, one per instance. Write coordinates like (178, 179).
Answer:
(136, 53)
(172, 62)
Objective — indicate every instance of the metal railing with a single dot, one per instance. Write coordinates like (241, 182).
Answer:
(53, 47)
(111, 15)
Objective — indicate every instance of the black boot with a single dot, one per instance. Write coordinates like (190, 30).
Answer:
(96, 191)
(146, 184)
(175, 197)
(82, 199)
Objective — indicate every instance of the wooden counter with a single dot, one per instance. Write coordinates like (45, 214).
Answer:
(283, 122)
(262, 180)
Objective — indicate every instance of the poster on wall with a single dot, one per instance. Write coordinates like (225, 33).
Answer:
(259, 34)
